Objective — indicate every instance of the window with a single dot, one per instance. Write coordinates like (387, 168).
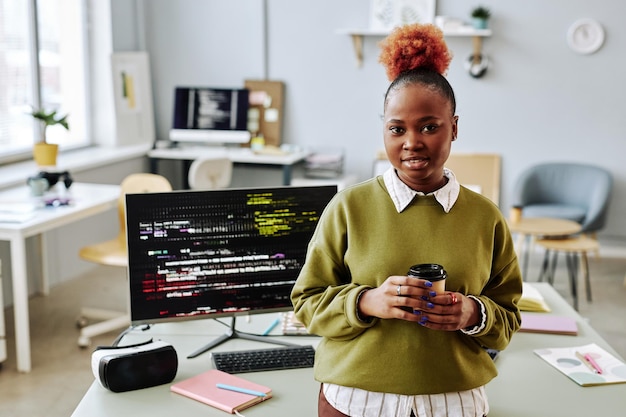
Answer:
(43, 63)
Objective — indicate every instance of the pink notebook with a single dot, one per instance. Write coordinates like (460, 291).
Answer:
(204, 388)
(548, 323)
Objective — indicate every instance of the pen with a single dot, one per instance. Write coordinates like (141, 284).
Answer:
(242, 390)
(593, 363)
(271, 326)
(586, 360)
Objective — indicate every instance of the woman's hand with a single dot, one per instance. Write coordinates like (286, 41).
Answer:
(449, 311)
(412, 299)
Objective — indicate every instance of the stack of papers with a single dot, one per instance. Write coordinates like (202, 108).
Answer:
(17, 212)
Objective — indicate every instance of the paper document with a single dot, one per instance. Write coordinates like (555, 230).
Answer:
(17, 211)
(610, 370)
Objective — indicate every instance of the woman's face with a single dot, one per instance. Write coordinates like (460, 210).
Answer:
(419, 128)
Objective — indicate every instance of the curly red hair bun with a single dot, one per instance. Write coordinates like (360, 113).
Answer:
(414, 46)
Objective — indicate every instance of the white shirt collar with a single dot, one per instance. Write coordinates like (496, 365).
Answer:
(402, 195)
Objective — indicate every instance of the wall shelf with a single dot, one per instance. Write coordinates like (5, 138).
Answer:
(359, 34)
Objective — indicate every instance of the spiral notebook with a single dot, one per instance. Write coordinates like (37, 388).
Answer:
(203, 388)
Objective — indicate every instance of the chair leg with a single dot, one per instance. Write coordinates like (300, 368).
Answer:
(555, 256)
(526, 254)
(572, 267)
(585, 265)
(544, 267)
(111, 321)
(99, 313)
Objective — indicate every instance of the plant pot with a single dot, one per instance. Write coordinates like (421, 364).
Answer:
(479, 23)
(45, 154)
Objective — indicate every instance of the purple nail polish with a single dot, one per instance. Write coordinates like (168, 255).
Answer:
(433, 293)
(430, 305)
(428, 284)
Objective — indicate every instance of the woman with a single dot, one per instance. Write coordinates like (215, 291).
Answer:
(391, 346)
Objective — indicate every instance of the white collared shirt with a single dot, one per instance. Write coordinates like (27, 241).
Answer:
(402, 195)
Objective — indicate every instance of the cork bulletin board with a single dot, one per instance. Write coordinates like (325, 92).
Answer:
(266, 105)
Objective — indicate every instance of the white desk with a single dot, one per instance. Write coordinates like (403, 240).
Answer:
(87, 200)
(235, 154)
(526, 385)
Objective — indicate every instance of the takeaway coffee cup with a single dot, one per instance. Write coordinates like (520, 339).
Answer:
(433, 273)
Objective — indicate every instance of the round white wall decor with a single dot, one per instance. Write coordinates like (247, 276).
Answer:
(585, 36)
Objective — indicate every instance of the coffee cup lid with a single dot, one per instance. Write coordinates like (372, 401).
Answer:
(432, 272)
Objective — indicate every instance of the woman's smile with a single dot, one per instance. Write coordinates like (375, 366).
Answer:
(416, 162)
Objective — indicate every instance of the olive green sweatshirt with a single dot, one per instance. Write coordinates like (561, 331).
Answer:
(361, 240)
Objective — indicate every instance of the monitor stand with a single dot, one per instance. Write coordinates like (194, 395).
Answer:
(234, 334)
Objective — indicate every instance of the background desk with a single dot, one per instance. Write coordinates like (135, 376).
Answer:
(237, 155)
(526, 385)
(88, 200)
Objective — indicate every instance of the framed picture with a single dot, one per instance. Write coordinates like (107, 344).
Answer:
(132, 98)
(387, 14)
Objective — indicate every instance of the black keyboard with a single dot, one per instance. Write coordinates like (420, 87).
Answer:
(268, 359)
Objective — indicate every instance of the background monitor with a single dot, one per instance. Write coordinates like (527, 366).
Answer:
(210, 115)
(216, 253)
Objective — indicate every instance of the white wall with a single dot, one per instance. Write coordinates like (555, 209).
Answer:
(539, 101)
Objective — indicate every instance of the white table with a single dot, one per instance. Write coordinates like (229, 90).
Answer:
(525, 385)
(236, 154)
(87, 200)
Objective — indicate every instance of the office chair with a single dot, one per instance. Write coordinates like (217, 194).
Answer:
(210, 173)
(565, 190)
(114, 253)
(571, 191)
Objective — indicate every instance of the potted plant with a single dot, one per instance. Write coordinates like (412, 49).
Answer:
(44, 153)
(480, 16)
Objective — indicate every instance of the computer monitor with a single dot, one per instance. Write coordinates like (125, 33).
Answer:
(218, 253)
(208, 115)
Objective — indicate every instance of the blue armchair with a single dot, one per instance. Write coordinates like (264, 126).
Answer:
(565, 190)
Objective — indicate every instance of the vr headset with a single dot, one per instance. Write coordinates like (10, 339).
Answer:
(128, 368)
